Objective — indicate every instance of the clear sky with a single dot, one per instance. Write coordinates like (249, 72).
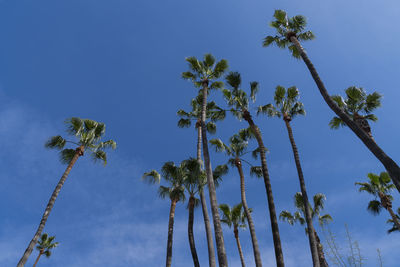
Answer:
(120, 62)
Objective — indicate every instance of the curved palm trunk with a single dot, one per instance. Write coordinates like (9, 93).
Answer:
(50, 204)
(254, 241)
(387, 204)
(190, 233)
(391, 166)
(219, 238)
(321, 254)
(307, 208)
(170, 233)
(37, 259)
(268, 188)
(236, 232)
(210, 243)
(393, 215)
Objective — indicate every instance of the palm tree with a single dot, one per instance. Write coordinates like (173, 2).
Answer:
(357, 103)
(45, 245)
(194, 177)
(174, 177)
(289, 34)
(236, 149)
(298, 216)
(392, 222)
(88, 134)
(379, 186)
(238, 100)
(287, 106)
(214, 113)
(236, 218)
(201, 74)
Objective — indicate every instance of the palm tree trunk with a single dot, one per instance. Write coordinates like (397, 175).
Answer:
(50, 204)
(321, 254)
(307, 208)
(190, 233)
(391, 166)
(236, 232)
(395, 220)
(219, 238)
(268, 188)
(170, 233)
(37, 259)
(210, 243)
(256, 249)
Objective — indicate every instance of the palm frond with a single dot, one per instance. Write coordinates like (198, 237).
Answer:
(184, 123)
(66, 155)
(211, 127)
(254, 88)
(74, 125)
(56, 142)
(220, 68)
(151, 177)
(256, 171)
(336, 122)
(375, 207)
(209, 60)
(100, 155)
(218, 85)
(234, 79)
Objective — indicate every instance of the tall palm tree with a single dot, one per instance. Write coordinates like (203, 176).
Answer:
(87, 134)
(214, 113)
(287, 106)
(290, 31)
(194, 177)
(356, 104)
(45, 245)
(236, 218)
(174, 177)
(203, 74)
(235, 150)
(379, 186)
(392, 222)
(298, 216)
(238, 100)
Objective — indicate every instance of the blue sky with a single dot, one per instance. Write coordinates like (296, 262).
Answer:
(120, 62)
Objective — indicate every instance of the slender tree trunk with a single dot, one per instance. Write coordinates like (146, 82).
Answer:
(236, 232)
(219, 238)
(307, 208)
(190, 233)
(268, 188)
(50, 204)
(256, 250)
(210, 242)
(321, 254)
(395, 220)
(170, 233)
(37, 259)
(391, 166)
(387, 204)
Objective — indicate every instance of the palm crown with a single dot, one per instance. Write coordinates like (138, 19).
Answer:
(286, 28)
(233, 216)
(88, 134)
(379, 186)
(46, 244)
(174, 176)
(206, 70)
(213, 112)
(236, 97)
(187, 175)
(298, 216)
(357, 102)
(287, 104)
